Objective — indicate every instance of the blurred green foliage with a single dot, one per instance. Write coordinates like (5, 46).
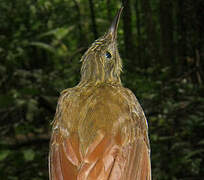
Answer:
(41, 43)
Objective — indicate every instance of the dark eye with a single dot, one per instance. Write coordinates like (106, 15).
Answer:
(108, 55)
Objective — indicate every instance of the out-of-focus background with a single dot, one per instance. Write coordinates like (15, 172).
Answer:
(161, 43)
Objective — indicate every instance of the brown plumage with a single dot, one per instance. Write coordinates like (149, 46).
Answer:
(100, 131)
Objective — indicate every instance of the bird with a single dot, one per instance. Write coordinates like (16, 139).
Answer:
(100, 131)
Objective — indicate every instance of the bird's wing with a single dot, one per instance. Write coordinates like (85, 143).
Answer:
(109, 155)
(138, 166)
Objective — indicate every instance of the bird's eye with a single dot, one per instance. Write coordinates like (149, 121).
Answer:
(108, 55)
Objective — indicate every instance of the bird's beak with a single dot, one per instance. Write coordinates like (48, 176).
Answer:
(114, 25)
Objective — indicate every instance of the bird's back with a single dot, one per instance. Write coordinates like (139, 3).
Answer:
(99, 132)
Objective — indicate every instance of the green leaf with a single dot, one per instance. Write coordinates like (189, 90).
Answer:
(193, 153)
(51, 32)
(4, 154)
(30, 91)
(201, 142)
(43, 46)
(62, 32)
(33, 9)
(29, 154)
(5, 101)
(32, 109)
(59, 33)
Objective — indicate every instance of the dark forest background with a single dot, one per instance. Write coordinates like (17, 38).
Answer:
(161, 43)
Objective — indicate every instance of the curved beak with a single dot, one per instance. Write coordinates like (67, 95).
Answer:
(114, 26)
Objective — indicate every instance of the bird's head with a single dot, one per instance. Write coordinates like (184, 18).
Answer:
(101, 63)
